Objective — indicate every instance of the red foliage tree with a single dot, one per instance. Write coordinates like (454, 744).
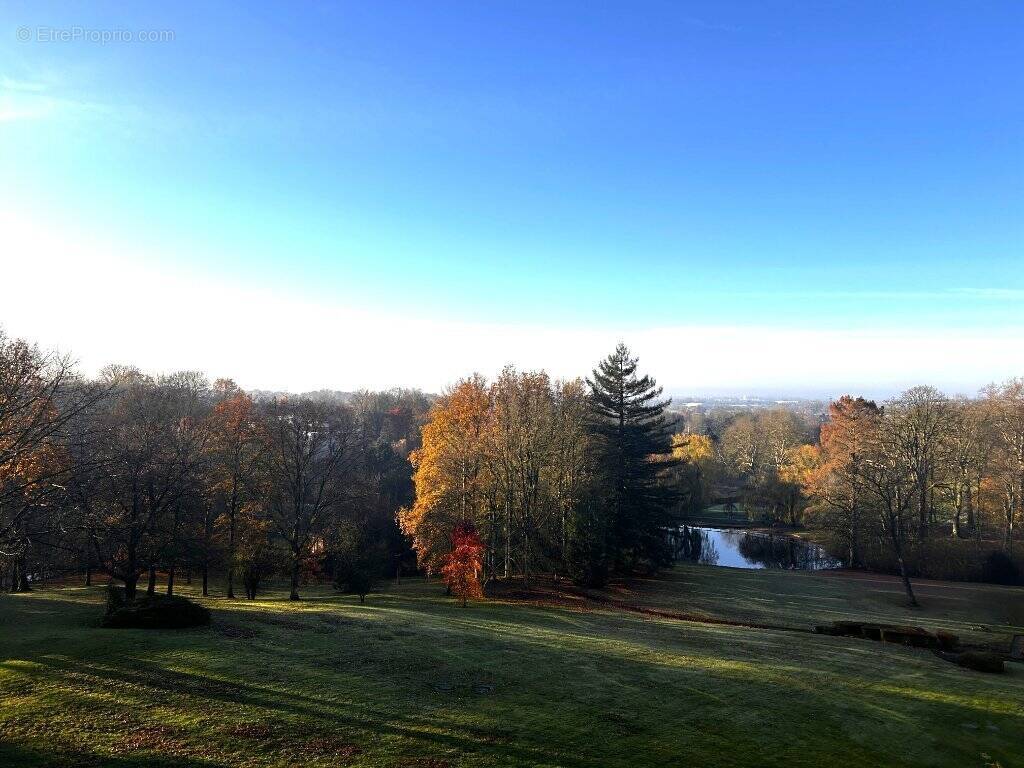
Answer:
(462, 565)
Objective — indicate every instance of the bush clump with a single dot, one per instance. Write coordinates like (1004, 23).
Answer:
(1000, 569)
(355, 578)
(981, 661)
(153, 612)
(912, 636)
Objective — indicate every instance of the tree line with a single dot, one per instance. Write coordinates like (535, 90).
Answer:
(130, 475)
(923, 484)
(145, 478)
(139, 477)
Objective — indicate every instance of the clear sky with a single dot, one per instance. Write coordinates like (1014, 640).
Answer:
(757, 196)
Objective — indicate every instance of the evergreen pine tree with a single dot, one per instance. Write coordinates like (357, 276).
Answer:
(629, 426)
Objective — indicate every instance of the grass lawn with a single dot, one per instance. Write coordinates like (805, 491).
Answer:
(411, 679)
(978, 613)
(718, 516)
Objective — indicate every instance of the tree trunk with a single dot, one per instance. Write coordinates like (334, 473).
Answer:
(151, 589)
(923, 503)
(906, 583)
(295, 577)
(853, 535)
(958, 513)
(232, 526)
(88, 575)
(508, 539)
(170, 580)
(898, 550)
(231, 555)
(970, 508)
(526, 553)
(130, 585)
(206, 580)
(23, 585)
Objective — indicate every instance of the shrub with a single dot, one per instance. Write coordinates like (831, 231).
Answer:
(115, 598)
(1000, 569)
(355, 578)
(357, 561)
(912, 636)
(848, 628)
(981, 661)
(461, 571)
(153, 612)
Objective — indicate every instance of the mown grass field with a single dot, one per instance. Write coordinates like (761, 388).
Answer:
(412, 679)
(718, 516)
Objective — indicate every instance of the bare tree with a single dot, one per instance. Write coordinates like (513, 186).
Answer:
(889, 481)
(918, 420)
(309, 461)
(519, 445)
(571, 456)
(39, 396)
(965, 449)
(135, 464)
(1005, 406)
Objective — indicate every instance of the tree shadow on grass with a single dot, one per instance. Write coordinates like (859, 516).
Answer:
(305, 714)
(626, 667)
(26, 755)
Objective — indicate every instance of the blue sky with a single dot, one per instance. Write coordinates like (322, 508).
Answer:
(551, 169)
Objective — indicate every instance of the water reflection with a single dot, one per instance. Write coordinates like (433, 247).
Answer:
(696, 545)
(749, 549)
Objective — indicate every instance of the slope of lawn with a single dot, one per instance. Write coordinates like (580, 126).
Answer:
(411, 679)
(979, 613)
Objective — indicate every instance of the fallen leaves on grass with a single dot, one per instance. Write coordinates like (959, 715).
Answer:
(294, 741)
(152, 738)
(254, 731)
(327, 746)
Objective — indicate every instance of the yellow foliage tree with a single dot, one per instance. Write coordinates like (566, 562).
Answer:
(449, 472)
(801, 466)
(693, 448)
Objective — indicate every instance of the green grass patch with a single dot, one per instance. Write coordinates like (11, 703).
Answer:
(411, 679)
(717, 516)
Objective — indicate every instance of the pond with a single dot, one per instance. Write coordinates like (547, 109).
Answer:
(738, 548)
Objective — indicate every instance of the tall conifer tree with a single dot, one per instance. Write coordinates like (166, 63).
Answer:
(633, 441)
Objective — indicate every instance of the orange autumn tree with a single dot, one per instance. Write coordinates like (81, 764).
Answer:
(233, 472)
(461, 570)
(450, 472)
(836, 485)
